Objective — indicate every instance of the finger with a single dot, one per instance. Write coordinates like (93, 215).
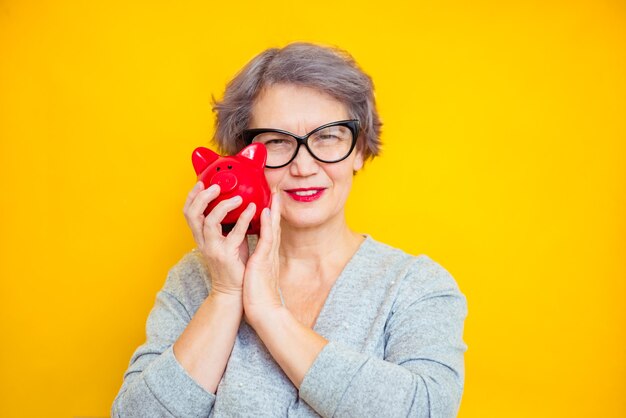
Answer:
(202, 200)
(276, 207)
(194, 220)
(212, 223)
(238, 233)
(195, 212)
(275, 221)
(264, 244)
(197, 188)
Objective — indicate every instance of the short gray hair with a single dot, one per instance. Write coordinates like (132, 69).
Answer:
(327, 69)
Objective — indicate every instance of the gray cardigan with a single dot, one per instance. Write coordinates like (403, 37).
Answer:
(394, 323)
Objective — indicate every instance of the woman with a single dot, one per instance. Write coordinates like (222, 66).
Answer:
(313, 318)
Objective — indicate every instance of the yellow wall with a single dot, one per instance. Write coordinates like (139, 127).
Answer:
(504, 160)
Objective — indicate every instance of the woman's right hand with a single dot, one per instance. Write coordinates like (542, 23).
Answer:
(226, 256)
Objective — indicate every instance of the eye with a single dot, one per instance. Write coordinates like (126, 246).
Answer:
(230, 166)
(218, 168)
(332, 134)
(274, 139)
(278, 141)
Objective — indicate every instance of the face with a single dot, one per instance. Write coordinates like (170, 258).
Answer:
(312, 193)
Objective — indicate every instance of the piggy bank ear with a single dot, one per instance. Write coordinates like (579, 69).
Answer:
(256, 153)
(202, 158)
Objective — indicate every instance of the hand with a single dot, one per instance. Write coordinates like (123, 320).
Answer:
(226, 257)
(260, 285)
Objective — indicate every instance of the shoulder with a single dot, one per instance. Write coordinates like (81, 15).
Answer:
(429, 285)
(415, 276)
(379, 260)
(188, 280)
(428, 277)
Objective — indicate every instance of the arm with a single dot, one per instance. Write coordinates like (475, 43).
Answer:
(177, 370)
(421, 375)
(155, 383)
(422, 372)
(204, 347)
(294, 346)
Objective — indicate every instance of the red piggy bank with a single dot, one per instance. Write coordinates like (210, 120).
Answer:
(242, 175)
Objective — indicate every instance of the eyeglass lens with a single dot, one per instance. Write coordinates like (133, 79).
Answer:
(328, 144)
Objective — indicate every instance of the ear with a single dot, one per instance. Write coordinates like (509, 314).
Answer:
(358, 161)
(256, 153)
(202, 158)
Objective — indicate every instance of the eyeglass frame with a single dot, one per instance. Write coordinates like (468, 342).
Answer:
(352, 124)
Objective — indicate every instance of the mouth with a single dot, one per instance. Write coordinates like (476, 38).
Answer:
(308, 194)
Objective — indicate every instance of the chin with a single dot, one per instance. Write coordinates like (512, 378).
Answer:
(303, 222)
(306, 219)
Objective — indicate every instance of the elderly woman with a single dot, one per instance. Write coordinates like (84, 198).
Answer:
(311, 319)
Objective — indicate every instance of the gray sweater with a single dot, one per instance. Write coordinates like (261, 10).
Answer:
(394, 323)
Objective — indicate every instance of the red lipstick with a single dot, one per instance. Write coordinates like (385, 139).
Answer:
(308, 194)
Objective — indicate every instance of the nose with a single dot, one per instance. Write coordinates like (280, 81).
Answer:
(227, 181)
(304, 164)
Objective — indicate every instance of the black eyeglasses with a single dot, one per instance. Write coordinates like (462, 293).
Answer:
(329, 143)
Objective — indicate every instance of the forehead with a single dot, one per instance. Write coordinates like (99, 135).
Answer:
(295, 109)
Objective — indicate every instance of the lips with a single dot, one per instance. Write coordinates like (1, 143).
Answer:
(307, 194)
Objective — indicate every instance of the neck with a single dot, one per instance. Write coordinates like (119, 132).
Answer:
(327, 242)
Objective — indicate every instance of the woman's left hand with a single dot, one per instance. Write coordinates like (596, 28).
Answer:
(261, 296)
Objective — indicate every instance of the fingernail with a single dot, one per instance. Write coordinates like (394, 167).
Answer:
(213, 188)
(266, 212)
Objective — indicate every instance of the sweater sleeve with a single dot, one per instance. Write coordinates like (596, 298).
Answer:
(155, 384)
(422, 373)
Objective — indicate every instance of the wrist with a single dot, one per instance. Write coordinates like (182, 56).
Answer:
(226, 299)
(263, 317)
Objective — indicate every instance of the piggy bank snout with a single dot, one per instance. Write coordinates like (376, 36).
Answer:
(227, 181)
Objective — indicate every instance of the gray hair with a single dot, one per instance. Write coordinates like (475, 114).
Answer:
(327, 69)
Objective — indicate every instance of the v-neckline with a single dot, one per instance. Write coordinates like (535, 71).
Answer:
(340, 279)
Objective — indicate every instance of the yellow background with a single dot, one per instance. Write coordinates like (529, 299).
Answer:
(504, 160)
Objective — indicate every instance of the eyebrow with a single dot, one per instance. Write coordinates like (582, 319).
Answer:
(310, 130)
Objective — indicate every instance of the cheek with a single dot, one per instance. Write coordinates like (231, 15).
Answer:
(274, 177)
(341, 176)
